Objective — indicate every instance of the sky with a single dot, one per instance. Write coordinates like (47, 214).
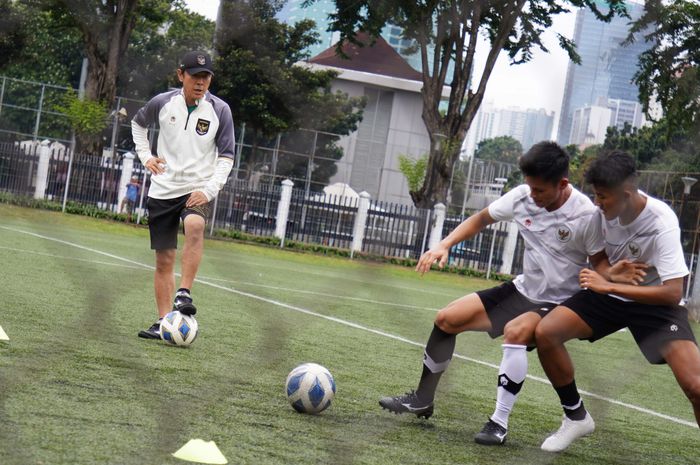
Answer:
(537, 84)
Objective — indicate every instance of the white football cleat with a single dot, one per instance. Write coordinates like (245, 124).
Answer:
(568, 432)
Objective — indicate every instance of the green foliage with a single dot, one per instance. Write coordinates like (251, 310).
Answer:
(580, 160)
(413, 170)
(164, 31)
(87, 117)
(669, 72)
(662, 146)
(13, 34)
(257, 74)
(504, 149)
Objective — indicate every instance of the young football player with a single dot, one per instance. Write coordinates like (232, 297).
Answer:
(636, 227)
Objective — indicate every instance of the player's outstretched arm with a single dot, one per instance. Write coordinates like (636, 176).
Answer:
(468, 229)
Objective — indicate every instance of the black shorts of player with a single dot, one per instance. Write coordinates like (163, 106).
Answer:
(164, 219)
(504, 303)
(652, 326)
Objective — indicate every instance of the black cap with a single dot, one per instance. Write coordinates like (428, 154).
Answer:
(196, 62)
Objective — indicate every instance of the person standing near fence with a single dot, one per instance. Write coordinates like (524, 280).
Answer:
(192, 162)
(129, 200)
(560, 228)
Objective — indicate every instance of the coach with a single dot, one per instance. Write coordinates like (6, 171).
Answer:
(190, 164)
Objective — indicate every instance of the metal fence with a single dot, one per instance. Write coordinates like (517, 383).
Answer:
(391, 230)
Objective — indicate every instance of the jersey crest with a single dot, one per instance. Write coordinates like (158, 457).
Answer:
(563, 233)
(634, 249)
(202, 126)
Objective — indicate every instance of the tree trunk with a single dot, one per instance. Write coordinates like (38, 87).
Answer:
(106, 35)
(448, 131)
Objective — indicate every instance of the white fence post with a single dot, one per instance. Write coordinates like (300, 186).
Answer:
(283, 210)
(358, 230)
(509, 248)
(127, 171)
(436, 231)
(42, 170)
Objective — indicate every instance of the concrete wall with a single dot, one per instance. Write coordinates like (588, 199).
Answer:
(407, 135)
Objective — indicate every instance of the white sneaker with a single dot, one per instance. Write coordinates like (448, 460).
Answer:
(568, 432)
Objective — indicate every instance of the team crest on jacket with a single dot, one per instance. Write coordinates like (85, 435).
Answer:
(202, 126)
(563, 233)
(634, 249)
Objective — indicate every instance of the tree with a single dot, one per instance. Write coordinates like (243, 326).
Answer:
(257, 74)
(452, 27)
(12, 33)
(502, 148)
(163, 33)
(163, 30)
(669, 71)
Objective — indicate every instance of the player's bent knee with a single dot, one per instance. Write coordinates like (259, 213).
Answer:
(544, 337)
(518, 333)
(447, 321)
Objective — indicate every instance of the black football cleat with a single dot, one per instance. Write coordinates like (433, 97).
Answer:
(492, 434)
(407, 403)
(183, 303)
(153, 332)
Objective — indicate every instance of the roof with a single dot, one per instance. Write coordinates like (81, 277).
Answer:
(379, 58)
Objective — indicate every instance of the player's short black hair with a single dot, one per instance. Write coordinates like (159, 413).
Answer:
(611, 169)
(546, 160)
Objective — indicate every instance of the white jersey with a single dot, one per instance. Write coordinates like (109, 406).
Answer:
(654, 238)
(557, 243)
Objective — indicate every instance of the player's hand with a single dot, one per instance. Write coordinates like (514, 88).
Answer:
(628, 272)
(439, 254)
(196, 199)
(155, 165)
(589, 279)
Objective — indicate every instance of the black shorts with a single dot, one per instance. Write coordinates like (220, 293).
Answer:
(164, 219)
(651, 325)
(504, 303)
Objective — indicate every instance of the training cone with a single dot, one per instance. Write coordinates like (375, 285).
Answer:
(3, 335)
(197, 450)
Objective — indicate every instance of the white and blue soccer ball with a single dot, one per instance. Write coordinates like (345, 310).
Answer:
(310, 388)
(178, 329)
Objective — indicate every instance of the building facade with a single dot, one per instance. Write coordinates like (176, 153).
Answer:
(607, 67)
(527, 126)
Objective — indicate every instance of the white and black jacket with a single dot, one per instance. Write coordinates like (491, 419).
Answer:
(198, 147)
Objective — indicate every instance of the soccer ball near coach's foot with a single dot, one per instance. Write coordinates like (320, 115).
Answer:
(178, 329)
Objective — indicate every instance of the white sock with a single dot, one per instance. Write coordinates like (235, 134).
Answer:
(511, 375)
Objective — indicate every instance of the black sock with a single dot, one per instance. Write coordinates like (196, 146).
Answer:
(438, 354)
(183, 289)
(571, 401)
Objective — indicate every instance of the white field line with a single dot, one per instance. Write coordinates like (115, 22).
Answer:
(321, 294)
(351, 324)
(243, 283)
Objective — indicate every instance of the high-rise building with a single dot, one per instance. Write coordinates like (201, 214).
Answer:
(527, 126)
(606, 68)
(591, 122)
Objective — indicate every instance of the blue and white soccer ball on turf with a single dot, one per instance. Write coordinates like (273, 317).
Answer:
(310, 388)
(178, 329)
